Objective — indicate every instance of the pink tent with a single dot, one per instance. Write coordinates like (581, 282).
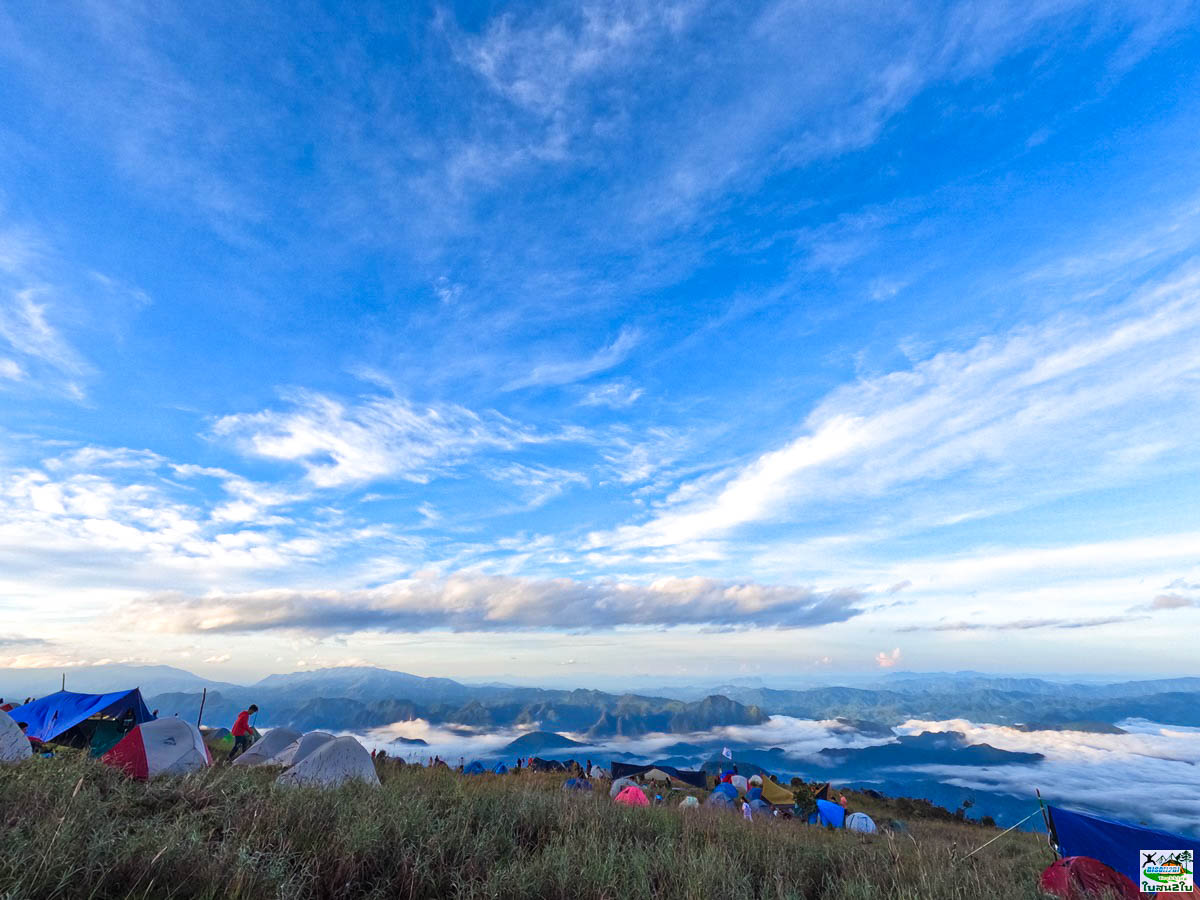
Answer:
(632, 796)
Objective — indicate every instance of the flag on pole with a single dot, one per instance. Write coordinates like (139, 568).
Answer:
(727, 753)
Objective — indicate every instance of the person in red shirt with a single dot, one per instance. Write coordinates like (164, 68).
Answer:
(242, 732)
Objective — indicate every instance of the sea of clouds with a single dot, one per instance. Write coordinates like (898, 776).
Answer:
(1151, 774)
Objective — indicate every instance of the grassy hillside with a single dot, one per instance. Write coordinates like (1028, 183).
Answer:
(75, 828)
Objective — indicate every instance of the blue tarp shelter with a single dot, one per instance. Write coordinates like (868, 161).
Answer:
(51, 716)
(1116, 844)
(830, 814)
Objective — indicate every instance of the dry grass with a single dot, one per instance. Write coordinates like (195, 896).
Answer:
(75, 828)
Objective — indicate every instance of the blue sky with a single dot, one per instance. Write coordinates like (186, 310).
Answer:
(586, 343)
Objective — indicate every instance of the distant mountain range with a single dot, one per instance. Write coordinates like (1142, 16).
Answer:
(352, 698)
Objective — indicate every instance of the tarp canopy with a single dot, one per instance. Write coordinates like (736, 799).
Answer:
(161, 747)
(776, 794)
(830, 814)
(50, 717)
(1116, 844)
(687, 776)
(14, 746)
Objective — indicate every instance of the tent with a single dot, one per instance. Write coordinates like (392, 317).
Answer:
(73, 719)
(632, 796)
(300, 748)
(219, 741)
(332, 764)
(688, 802)
(546, 765)
(577, 784)
(830, 814)
(1116, 844)
(775, 794)
(720, 799)
(657, 775)
(160, 747)
(761, 808)
(860, 822)
(694, 778)
(14, 746)
(1083, 878)
(727, 790)
(271, 743)
(475, 768)
(500, 769)
(619, 785)
(740, 782)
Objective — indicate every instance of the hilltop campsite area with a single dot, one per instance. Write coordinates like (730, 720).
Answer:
(78, 828)
(103, 798)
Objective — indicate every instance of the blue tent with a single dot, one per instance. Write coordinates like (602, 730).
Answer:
(475, 768)
(830, 814)
(577, 784)
(727, 789)
(51, 716)
(755, 793)
(1116, 844)
(500, 769)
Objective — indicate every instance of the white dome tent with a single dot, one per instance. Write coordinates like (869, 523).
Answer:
(332, 764)
(301, 748)
(14, 746)
(261, 751)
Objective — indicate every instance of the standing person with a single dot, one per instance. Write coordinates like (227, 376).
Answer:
(242, 732)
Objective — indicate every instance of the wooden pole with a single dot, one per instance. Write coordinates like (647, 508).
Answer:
(64, 681)
(200, 715)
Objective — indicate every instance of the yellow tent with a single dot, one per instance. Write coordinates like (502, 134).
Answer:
(774, 793)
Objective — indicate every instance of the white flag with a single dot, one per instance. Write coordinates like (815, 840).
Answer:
(727, 753)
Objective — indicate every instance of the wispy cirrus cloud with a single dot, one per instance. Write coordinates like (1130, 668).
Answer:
(552, 374)
(1013, 402)
(476, 602)
(339, 443)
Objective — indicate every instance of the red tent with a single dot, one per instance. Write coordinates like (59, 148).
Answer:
(161, 747)
(632, 796)
(1084, 878)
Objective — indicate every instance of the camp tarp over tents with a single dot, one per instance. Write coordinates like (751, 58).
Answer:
(1116, 844)
(626, 770)
(14, 746)
(51, 716)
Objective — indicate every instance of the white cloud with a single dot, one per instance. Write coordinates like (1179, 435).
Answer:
(376, 437)
(468, 601)
(1013, 406)
(568, 372)
(615, 395)
(219, 658)
(886, 660)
